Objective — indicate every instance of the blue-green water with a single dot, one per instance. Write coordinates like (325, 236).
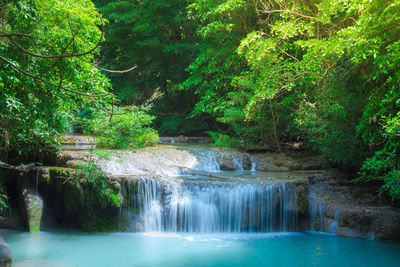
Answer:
(163, 249)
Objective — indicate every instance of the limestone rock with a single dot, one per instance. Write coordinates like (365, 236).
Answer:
(33, 209)
(230, 160)
(345, 212)
(273, 161)
(5, 254)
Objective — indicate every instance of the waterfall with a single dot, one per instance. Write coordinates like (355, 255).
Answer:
(371, 232)
(184, 190)
(335, 224)
(253, 167)
(206, 162)
(237, 163)
(316, 210)
(172, 205)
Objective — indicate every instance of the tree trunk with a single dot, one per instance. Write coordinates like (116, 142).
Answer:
(278, 147)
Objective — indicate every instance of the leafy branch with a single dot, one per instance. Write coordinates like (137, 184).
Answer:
(57, 64)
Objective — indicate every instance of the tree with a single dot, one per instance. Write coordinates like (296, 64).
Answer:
(155, 35)
(47, 49)
(221, 26)
(327, 70)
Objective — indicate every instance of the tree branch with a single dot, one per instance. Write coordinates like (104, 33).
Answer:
(62, 55)
(64, 50)
(47, 82)
(107, 70)
(287, 11)
(57, 59)
(8, 35)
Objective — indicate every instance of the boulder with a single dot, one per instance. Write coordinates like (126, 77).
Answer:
(33, 210)
(230, 160)
(5, 254)
(346, 212)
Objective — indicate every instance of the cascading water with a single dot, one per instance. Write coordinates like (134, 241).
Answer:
(165, 162)
(237, 163)
(203, 206)
(335, 224)
(253, 167)
(316, 215)
(193, 195)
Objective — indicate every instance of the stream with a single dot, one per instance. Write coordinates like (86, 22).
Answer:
(189, 212)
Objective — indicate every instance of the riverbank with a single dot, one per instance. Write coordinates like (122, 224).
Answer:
(325, 199)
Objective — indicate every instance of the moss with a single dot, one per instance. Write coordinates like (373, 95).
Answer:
(46, 178)
(101, 223)
(61, 172)
(73, 198)
(302, 198)
(34, 213)
(90, 199)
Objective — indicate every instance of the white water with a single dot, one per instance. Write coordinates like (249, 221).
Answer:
(169, 161)
(237, 162)
(316, 215)
(253, 164)
(193, 195)
(204, 207)
(335, 224)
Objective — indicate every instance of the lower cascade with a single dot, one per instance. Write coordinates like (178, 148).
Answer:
(191, 205)
(316, 214)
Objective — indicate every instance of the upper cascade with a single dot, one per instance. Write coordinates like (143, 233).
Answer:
(175, 160)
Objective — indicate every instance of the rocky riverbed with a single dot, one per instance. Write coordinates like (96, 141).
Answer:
(45, 196)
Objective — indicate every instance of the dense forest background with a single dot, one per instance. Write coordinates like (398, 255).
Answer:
(249, 73)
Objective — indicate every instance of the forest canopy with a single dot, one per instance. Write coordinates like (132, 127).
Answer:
(251, 73)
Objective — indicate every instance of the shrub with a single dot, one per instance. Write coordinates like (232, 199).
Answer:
(384, 165)
(220, 139)
(129, 129)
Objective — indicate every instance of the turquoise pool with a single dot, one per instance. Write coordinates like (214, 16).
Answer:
(206, 250)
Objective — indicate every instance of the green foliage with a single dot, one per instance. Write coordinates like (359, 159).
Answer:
(221, 25)
(384, 165)
(159, 38)
(128, 129)
(333, 114)
(179, 124)
(153, 34)
(223, 140)
(325, 72)
(4, 205)
(33, 113)
(102, 154)
(88, 172)
(92, 191)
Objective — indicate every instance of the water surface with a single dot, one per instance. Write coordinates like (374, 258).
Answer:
(206, 250)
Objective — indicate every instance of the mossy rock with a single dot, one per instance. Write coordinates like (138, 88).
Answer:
(107, 222)
(34, 210)
(60, 172)
(86, 199)
(302, 198)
